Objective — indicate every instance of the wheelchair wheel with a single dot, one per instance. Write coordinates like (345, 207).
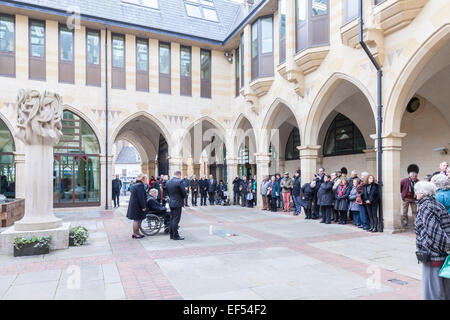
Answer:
(151, 225)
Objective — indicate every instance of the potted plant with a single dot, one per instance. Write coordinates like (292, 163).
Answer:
(31, 246)
(78, 236)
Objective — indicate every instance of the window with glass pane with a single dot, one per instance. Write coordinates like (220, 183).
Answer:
(76, 179)
(142, 55)
(203, 9)
(185, 62)
(254, 40)
(351, 8)
(267, 38)
(193, 11)
(291, 152)
(118, 52)
(66, 44)
(237, 71)
(37, 39)
(282, 8)
(7, 167)
(93, 47)
(205, 64)
(145, 3)
(319, 7)
(164, 58)
(301, 10)
(210, 14)
(242, 60)
(343, 137)
(6, 34)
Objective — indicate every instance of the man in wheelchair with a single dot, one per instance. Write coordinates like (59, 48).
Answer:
(154, 207)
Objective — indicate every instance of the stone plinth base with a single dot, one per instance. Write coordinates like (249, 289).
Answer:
(60, 237)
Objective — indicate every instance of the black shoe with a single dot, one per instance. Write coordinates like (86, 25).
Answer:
(137, 237)
(177, 238)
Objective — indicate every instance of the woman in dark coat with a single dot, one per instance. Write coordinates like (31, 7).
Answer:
(137, 205)
(325, 199)
(341, 203)
(308, 194)
(370, 197)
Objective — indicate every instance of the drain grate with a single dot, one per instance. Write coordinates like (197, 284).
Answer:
(399, 282)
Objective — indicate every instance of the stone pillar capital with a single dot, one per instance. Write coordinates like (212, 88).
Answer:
(232, 162)
(391, 141)
(262, 158)
(309, 151)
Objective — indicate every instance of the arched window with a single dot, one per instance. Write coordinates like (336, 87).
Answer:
(7, 168)
(291, 152)
(76, 176)
(343, 137)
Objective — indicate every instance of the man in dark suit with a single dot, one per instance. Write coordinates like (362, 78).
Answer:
(186, 186)
(203, 185)
(212, 187)
(177, 192)
(116, 187)
(194, 190)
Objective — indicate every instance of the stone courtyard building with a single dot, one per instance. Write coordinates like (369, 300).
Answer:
(249, 87)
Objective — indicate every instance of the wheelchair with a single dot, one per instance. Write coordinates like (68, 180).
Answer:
(154, 221)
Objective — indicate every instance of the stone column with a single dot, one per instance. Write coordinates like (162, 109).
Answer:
(392, 146)
(262, 169)
(232, 169)
(371, 160)
(103, 163)
(281, 166)
(308, 161)
(21, 180)
(197, 170)
(152, 165)
(190, 167)
(144, 168)
(175, 164)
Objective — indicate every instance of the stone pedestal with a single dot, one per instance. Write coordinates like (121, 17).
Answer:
(60, 237)
(262, 169)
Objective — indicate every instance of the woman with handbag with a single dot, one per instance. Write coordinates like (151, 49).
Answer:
(432, 228)
(273, 192)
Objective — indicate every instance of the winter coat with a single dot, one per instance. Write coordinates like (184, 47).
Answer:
(194, 185)
(404, 188)
(325, 194)
(308, 195)
(274, 190)
(212, 185)
(137, 202)
(203, 185)
(286, 184)
(353, 206)
(373, 196)
(236, 184)
(243, 187)
(263, 187)
(443, 196)
(154, 206)
(297, 187)
(177, 192)
(432, 228)
(341, 202)
(116, 185)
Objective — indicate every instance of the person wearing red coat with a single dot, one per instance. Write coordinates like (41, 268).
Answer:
(408, 195)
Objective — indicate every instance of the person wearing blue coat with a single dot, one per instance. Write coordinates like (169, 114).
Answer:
(273, 191)
(325, 199)
(341, 203)
(442, 183)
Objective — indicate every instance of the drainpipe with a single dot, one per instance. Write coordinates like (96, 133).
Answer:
(379, 111)
(106, 114)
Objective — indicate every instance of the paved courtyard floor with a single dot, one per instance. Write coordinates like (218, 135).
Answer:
(272, 256)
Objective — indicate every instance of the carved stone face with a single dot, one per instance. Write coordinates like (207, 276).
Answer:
(39, 117)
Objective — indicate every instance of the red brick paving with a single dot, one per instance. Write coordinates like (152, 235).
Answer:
(143, 279)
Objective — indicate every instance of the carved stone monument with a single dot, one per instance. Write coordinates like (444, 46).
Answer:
(39, 125)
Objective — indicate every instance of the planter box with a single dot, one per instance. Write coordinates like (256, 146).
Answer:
(30, 250)
(11, 212)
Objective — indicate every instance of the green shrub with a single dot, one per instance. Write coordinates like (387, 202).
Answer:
(79, 235)
(39, 242)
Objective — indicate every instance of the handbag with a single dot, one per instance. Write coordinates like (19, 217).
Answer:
(445, 270)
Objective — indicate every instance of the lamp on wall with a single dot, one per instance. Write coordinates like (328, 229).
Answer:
(229, 56)
(441, 150)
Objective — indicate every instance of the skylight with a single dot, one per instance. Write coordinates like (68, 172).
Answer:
(203, 9)
(144, 3)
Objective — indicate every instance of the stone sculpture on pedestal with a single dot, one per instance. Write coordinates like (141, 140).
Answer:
(39, 117)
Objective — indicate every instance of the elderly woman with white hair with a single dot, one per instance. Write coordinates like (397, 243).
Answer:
(432, 229)
(137, 205)
(442, 183)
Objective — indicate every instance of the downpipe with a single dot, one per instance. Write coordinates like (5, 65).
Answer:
(379, 111)
(106, 117)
